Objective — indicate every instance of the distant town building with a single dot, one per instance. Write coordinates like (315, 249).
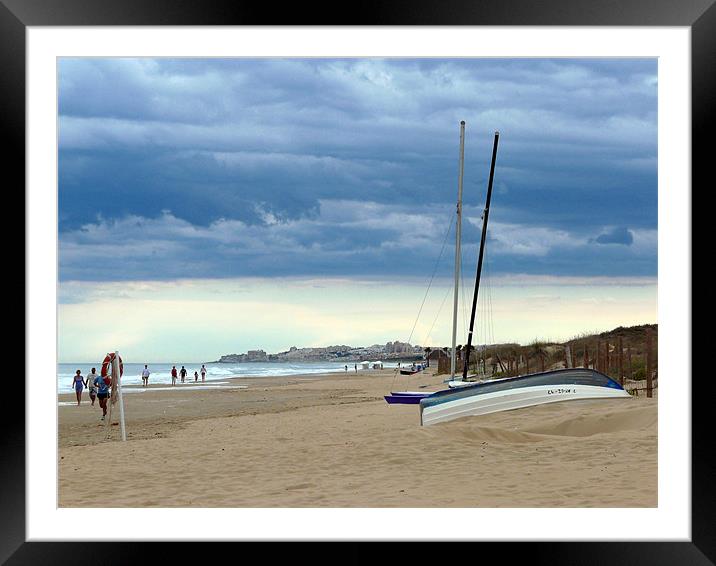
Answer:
(256, 356)
(391, 350)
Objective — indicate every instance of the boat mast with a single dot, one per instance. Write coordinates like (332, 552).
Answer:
(479, 258)
(458, 236)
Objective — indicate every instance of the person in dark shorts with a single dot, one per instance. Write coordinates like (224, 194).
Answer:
(196, 376)
(78, 384)
(91, 386)
(102, 384)
(182, 373)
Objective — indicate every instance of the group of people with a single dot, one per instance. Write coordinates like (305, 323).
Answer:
(98, 386)
(183, 372)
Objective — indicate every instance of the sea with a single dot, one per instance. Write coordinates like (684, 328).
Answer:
(161, 372)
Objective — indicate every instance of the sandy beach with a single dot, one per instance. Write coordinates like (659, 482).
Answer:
(332, 441)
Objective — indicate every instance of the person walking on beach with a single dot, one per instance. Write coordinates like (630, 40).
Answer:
(345, 368)
(203, 372)
(355, 367)
(89, 382)
(145, 376)
(182, 373)
(196, 377)
(78, 383)
(174, 375)
(102, 384)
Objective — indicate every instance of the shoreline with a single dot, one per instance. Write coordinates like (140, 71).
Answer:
(161, 377)
(330, 440)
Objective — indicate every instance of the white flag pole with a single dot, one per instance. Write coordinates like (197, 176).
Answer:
(115, 371)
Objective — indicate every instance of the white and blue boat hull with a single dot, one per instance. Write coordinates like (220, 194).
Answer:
(517, 393)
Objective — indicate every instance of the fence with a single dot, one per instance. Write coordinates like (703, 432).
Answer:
(612, 359)
(634, 366)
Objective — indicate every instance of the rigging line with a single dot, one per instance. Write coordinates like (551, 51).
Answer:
(487, 306)
(432, 277)
(486, 299)
(491, 322)
(489, 335)
(447, 293)
(437, 263)
(489, 328)
(492, 319)
(483, 325)
(480, 329)
(461, 296)
(465, 309)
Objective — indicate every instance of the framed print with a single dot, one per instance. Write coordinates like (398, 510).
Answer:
(233, 212)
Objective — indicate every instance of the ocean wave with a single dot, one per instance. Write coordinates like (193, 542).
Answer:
(161, 372)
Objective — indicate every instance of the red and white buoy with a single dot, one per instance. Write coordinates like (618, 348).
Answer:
(112, 370)
(107, 364)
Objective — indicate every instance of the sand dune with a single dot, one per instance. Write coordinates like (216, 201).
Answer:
(611, 421)
(334, 442)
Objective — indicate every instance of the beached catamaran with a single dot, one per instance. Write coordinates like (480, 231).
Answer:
(413, 397)
(465, 398)
(518, 392)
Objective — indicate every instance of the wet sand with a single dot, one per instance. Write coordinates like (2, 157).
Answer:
(332, 441)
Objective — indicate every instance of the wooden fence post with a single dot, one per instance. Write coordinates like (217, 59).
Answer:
(649, 392)
(607, 365)
(629, 370)
(586, 356)
(621, 363)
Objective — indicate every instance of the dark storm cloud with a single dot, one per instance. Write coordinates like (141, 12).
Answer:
(269, 147)
(616, 235)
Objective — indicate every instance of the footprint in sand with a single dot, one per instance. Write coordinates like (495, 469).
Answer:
(300, 486)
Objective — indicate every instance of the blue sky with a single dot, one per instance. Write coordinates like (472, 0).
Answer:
(261, 170)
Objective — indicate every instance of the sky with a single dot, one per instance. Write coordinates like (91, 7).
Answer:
(269, 203)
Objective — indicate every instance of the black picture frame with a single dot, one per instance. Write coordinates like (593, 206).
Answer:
(700, 16)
